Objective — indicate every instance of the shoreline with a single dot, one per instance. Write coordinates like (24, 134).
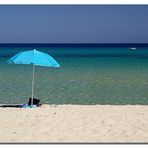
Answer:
(75, 123)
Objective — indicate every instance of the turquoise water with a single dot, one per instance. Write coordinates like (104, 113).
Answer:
(86, 76)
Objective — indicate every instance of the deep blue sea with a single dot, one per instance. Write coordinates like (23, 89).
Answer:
(100, 75)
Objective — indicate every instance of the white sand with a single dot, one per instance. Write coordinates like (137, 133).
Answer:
(75, 123)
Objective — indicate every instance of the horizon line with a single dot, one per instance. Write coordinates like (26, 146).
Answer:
(71, 45)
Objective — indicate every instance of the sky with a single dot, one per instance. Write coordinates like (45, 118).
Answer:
(73, 23)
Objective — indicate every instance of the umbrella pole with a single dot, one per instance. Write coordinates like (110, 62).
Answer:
(33, 67)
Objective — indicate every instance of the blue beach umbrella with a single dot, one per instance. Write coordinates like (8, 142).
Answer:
(33, 57)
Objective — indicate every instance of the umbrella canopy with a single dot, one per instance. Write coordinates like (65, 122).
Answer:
(34, 57)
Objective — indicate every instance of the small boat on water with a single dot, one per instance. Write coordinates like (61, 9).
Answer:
(132, 48)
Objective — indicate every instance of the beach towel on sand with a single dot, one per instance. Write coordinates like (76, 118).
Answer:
(27, 106)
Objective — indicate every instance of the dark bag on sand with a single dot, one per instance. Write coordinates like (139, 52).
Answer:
(35, 102)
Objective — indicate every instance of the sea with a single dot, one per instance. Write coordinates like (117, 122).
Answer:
(89, 75)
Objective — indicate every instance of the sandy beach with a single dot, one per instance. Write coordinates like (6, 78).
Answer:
(75, 123)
